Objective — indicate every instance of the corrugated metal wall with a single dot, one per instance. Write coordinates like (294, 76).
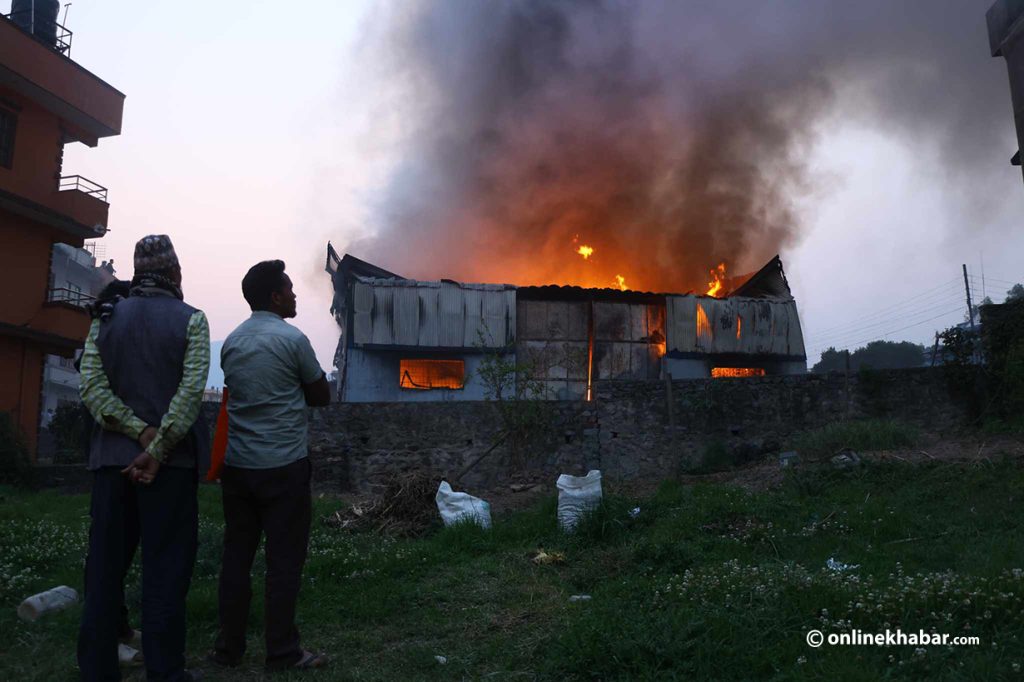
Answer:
(765, 327)
(432, 314)
(552, 341)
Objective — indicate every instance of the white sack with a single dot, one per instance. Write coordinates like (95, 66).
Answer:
(460, 507)
(576, 496)
(46, 602)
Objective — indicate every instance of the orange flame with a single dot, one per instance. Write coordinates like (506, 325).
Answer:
(736, 372)
(717, 280)
(620, 281)
(585, 251)
(739, 326)
(703, 326)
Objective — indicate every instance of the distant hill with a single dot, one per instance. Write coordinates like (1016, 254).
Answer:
(216, 378)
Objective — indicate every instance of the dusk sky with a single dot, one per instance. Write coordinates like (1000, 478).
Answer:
(255, 131)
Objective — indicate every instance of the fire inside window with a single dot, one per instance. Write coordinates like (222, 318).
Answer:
(736, 372)
(424, 375)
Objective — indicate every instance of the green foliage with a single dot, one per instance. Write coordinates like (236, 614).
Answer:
(714, 457)
(863, 435)
(69, 427)
(875, 355)
(518, 397)
(1016, 293)
(706, 582)
(15, 463)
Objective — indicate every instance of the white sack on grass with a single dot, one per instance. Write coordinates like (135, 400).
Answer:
(576, 496)
(47, 602)
(461, 507)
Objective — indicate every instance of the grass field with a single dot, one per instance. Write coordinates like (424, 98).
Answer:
(706, 582)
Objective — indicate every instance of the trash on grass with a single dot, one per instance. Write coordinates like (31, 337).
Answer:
(576, 496)
(788, 459)
(456, 507)
(634, 512)
(580, 597)
(834, 565)
(441, 659)
(542, 558)
(47, 602)
(846, 458)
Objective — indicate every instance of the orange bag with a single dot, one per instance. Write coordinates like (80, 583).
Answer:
(220, 440)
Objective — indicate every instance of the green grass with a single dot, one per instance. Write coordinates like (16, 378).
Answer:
(863, 435)
(706, 582)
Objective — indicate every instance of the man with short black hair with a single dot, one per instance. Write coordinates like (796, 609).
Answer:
(271, 375)
(144, 369)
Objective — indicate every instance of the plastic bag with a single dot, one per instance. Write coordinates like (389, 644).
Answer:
(576, 496)
(460, 507)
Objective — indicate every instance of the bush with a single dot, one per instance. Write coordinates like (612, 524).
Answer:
(70, 428)
(868, 434)
(715, 457)
(15, 463)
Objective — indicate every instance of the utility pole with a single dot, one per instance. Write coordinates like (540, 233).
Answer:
(967, 288)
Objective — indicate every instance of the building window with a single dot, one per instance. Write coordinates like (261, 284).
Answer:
(8, 124)
(736, 372)
(427, 374)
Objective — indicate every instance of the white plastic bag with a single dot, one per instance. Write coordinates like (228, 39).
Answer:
(576, 496)
(460, 507)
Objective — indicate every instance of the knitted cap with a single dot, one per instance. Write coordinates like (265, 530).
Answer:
(155, 253)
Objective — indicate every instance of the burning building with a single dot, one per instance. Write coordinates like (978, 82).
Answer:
(415, 340)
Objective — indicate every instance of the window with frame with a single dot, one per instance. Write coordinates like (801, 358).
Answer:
(8, 126)
(424, 375)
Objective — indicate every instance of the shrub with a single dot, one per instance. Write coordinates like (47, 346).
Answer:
(868, 434)
(15, 463)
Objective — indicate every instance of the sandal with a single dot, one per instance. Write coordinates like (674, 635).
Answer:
(310, 660)
(129, 657)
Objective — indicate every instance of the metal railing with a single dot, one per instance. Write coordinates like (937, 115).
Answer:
(50, 33)
(64, 295)
(77, 183)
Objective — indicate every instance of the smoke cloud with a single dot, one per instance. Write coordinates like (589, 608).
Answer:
(668, 136)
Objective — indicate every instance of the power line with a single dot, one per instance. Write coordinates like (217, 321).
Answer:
(894, 331)
(935, 293)
(946, 302)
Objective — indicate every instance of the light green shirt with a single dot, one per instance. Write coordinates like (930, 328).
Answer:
(111, 412)
(266, 361)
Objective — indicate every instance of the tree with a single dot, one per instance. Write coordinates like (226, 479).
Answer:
(977, 309)
(875, 355)
(1016, 293)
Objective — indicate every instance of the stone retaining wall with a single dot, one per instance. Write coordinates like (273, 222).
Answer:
(631, 430)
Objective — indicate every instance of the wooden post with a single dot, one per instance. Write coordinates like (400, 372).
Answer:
(669, 403)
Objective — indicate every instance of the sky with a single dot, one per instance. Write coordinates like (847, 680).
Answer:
(253, 132)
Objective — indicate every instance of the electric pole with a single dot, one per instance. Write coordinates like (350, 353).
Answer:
(967, 288)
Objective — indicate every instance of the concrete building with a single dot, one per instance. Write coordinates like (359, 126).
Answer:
(409, 340)
(1005, 19)
(76, 279)
(46, 102)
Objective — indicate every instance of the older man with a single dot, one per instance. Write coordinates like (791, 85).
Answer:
(272, 374)
(144, 369)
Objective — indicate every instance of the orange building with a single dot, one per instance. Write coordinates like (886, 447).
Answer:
(46, 102)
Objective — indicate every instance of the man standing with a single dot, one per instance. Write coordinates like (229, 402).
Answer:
(271, 374)
(144, 369)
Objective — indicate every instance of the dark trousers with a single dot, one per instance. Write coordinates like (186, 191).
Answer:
(166, 516)
(131, 529)
(275, 502)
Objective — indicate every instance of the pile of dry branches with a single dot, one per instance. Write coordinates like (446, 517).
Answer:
(404, 507)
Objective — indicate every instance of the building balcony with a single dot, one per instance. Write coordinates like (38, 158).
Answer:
(42, 71)
(83, 201)
(65, 318)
